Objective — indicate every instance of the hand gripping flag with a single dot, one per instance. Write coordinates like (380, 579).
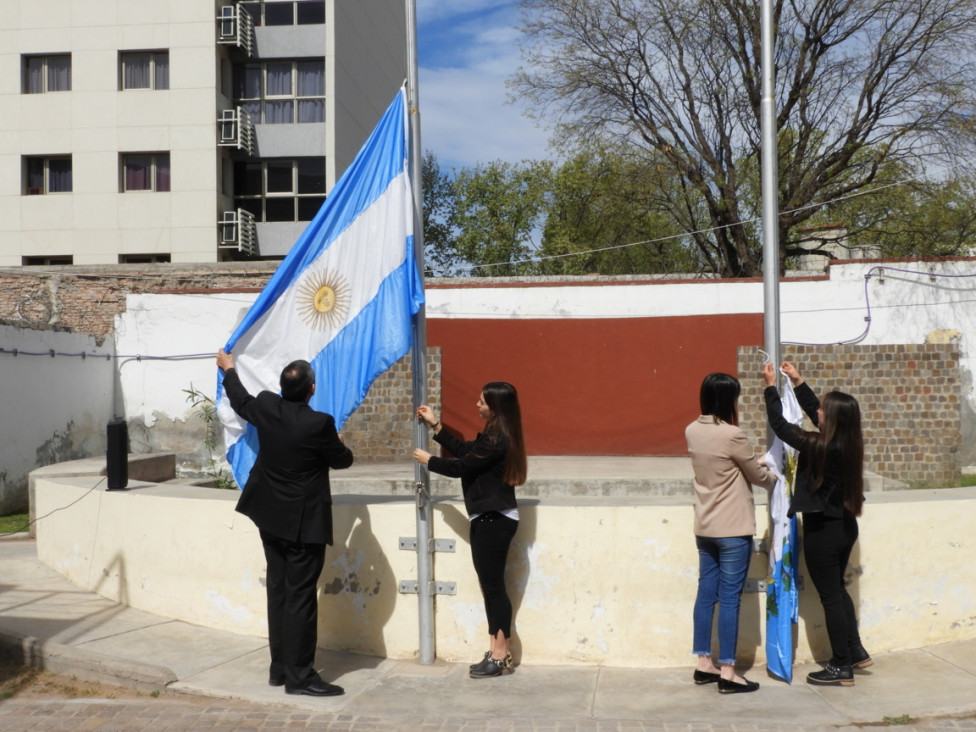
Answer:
(343, 297)
(782, 600)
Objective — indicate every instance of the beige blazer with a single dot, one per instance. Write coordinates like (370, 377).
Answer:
(724, 466)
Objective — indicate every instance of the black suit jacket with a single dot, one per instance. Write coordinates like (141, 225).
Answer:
(287, 494)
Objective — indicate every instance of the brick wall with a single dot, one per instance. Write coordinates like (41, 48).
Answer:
(86, 299)
(381, 430)
(909, 397)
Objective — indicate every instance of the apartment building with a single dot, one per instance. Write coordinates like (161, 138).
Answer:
(182, 130)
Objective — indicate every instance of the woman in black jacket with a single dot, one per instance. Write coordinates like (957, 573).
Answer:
(829, 492)
(489, 468)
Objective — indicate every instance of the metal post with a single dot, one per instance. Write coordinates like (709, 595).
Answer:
(770, 185)
(425, 579)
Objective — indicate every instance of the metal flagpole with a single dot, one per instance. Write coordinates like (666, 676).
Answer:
(425, 584)
(770, 186)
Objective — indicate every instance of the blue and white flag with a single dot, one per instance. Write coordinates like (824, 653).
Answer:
(344, 296)
(782, 597)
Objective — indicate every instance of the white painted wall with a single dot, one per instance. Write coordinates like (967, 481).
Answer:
(53, 408)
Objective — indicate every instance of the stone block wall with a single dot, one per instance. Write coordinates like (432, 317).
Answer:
(910, 398)
(381, 429)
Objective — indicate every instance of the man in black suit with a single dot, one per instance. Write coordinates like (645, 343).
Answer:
(287, 497)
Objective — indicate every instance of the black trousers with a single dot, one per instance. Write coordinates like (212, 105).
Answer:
(827, 545)
(491, 536)
(293, 611)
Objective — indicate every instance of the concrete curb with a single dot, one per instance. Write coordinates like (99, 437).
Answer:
(86, 665)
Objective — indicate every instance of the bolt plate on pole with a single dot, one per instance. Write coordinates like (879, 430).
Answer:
(409, 543)
(412, 587)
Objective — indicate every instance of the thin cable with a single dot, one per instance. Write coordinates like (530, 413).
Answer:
(49, 513)
(867, 302)
(107, 356)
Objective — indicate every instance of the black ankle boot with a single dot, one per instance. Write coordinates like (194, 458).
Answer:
(832, 676)
(860, 658)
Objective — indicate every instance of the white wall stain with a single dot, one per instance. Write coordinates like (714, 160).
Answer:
(219, 605)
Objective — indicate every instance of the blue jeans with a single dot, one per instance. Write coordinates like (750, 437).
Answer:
(722, 568)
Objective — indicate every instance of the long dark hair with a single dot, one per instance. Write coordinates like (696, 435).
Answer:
(840, 436)
(506, 421)
(719, 397)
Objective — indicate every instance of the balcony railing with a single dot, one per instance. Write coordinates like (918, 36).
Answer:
(237, 231)
(235, 27)
(235, 129)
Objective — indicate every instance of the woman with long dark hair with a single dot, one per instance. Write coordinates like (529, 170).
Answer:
(725, 521)
(489, 467)
(829, 493)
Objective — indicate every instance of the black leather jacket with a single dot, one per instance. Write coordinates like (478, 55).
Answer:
(829, 498)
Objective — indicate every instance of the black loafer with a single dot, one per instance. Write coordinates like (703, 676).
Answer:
(734, 687)
(317, 688)
(832, 676)
(705, 677)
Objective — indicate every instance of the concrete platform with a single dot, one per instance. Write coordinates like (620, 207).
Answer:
(52, 623)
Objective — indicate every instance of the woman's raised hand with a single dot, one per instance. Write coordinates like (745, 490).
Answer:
(427, 414)
(792, 374)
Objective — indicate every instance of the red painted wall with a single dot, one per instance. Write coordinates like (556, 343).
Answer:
(625, 386)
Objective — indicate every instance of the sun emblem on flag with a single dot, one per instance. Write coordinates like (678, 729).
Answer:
(323, 299)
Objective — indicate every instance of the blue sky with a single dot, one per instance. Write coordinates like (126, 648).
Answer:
(467, 49)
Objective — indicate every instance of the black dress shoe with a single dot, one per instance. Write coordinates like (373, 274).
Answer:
(705, 677)
(832, 676)
(276, 680)
(734, 687)
(860, 658)
(491, 667)
(317, 688)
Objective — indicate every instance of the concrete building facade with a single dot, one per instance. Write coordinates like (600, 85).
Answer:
(183, 131)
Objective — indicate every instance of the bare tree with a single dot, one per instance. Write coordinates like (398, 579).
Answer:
(859, 84)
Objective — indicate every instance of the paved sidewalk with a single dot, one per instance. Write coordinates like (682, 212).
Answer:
(72, 631)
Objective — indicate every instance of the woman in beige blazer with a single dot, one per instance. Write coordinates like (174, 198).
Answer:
(725, 522)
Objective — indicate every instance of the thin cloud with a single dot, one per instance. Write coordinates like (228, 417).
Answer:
(467, 52)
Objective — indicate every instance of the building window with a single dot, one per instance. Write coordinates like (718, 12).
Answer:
(288, 12)
(46, 261)
(280, 190)
(145, 172)
(47, 175)
(281, 92)
(144, 69)
(144, 258)
(47, 73)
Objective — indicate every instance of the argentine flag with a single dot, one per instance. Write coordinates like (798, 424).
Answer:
(344, 296)
(782, 596)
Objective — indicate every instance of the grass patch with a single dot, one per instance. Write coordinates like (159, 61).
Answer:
(14, 523)
(902, 719)
(967, 481)
(15, 677)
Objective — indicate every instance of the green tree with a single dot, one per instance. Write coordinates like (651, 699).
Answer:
(860, 84)
(498, 207)
(441, 257)
(612, 208)
(905, 216)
